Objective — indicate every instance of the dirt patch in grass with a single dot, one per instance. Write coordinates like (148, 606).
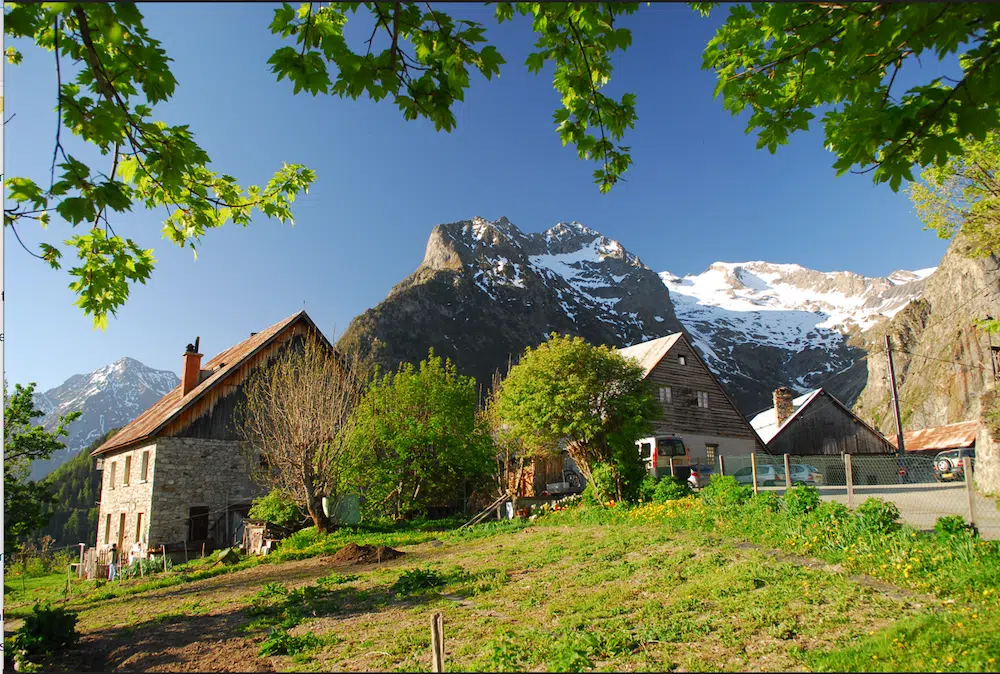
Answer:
(352, 553)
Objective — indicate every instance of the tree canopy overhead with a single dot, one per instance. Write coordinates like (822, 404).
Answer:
(786, 61)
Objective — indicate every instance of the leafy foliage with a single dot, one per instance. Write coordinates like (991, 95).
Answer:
(24, 500)
(950, 526)
(786, 61)
(280, 642)
(801, 499)
(415, 580)
(669, 488)
(418, 433)
(591, 397)
(724, 490)
(45, 630)
(878, 515)
(110, 104)
(276, 507)
(964, 195)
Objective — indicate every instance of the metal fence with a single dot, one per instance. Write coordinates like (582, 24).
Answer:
(922, 490)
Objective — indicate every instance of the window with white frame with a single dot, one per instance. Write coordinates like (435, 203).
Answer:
(665, 394)
(703, 399)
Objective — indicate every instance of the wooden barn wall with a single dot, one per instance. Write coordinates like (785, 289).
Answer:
(214, 416)
(682, 413)
(825, 428)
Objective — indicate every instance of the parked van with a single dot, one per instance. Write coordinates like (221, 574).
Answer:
(663, 452)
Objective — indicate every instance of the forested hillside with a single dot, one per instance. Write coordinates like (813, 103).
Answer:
(77, 487)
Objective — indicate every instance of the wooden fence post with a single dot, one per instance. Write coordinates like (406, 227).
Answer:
(970, 488)
(203, 549)
(788, 473)
(849, 474)
(80, 569)
(671, 466)
(722, 465)
(164, 549)
(753, 469)
(437, 642)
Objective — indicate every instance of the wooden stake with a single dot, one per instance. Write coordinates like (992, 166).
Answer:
(79, 570)
(722, 465)
(164, 549)
(753, 469)
(437, 642)
(672, 467)
(850, 480)
(970, 488)
(788, 473)
(203, 549)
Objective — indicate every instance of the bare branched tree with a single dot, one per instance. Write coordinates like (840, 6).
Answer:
(295, 418)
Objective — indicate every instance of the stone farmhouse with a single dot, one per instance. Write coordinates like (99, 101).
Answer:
(695, 406)
(178, 475)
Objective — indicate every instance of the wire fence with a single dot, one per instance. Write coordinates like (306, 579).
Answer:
(923, 487)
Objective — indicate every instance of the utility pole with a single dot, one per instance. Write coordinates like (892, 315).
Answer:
(993, 357)
(895, 404)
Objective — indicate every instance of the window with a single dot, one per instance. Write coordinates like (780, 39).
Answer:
(128, 470)
(111, 475)
(703, 399)
(138, 527)
(665, 396)
(681, 360)
(645, 450)
(198, 523)
(710, 450)
(144, 471)
(107, 529)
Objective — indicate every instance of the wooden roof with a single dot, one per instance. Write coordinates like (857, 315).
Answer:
(802, 403)
(151, 422)
(652, 352)
(940, 438)
(766, 423)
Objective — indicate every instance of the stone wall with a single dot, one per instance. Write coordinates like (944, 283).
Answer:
(197, 472)
(131, 500)
(987, 473)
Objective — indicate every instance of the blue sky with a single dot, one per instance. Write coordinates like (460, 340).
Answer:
(698, 192)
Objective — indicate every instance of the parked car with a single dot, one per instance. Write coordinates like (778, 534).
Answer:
(950, 465)
(767, 476)
(701, 474)
(803, 473)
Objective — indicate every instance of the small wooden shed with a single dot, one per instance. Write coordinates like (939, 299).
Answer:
(260, 537)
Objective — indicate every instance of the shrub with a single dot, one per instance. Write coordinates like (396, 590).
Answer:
(724, 490)
(647, 487)
(414, 580)
(280, 642)
(589, 497)
(765, 501)
(831, 511)
(878, 516)
(801, 499)
(669, 488)
(605, 488)
(45, 630)
(952, 526)
(278, 508)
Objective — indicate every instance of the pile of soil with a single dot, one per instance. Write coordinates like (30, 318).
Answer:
(352, 553)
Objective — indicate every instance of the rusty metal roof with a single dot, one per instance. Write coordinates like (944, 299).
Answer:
(952, 436)
(167, 408)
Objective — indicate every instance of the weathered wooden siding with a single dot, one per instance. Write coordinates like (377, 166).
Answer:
(826, 428)
(214, 416)
(682, 413)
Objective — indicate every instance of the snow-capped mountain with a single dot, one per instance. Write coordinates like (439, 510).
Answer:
(109, 397)
(783, 324)
(486, 290)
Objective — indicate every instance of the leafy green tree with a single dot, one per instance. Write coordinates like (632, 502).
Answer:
(589, 396)
(23, 499)
(276, 507)
(786, 62)
(418, 433)
(964, 195)
(121, 75)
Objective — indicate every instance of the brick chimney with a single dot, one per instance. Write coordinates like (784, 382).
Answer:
(191, 374)
(783, 404)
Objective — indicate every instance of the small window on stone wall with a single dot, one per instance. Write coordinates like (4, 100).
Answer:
(128, 470)
(111, 475)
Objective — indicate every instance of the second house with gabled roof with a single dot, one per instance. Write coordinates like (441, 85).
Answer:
(178, 474)
(694, 404)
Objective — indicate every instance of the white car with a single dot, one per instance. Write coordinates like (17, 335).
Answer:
(803, 473)
(767, 476)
